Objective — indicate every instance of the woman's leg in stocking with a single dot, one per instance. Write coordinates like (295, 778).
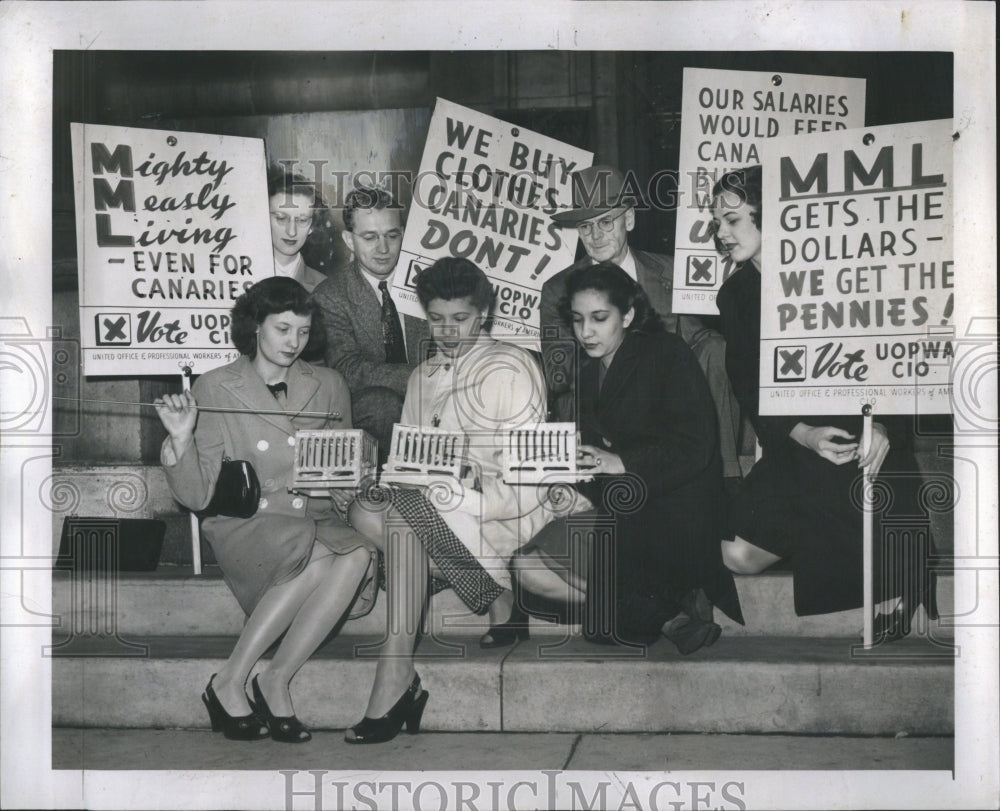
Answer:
(541, 575)
(272, 616)
(338, 577)
(406, 569)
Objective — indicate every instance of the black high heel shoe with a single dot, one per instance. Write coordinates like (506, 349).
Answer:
(695, 627)
(509, 632)
(693, 635)
(284, 728)
(235, 727)
(407, 711)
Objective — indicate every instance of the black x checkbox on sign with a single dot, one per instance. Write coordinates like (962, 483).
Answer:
(789, 364)
(701, 270)
(113, 329)
(413, 270)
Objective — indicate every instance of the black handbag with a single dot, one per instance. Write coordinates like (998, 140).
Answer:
(237, 491)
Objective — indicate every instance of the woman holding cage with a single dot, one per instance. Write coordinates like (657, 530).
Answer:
(294, 565)
(648, 426)
(452, 534)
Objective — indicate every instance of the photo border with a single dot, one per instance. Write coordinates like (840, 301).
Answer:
(30, 31)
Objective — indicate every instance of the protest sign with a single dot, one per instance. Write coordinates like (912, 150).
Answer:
(857, 277)
(486, 191)
(725, 117)
(171, 228)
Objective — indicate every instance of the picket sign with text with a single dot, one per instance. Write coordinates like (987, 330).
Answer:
(857, 276)
(486, 192)
(171, 228)
(726, 117)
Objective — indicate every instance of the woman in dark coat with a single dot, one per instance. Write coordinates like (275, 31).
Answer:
(648, 430)
(801, 502)
(294, 566)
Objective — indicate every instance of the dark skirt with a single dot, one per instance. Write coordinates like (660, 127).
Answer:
(809, 512)
(638, 564)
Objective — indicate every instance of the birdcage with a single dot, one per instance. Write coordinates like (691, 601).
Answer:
(329, 458)
(417, 452)
(543, 453)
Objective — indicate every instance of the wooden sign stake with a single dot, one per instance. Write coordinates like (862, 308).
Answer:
(867, 551)
(195, 528)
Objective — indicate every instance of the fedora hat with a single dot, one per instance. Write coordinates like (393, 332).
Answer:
(596, 190)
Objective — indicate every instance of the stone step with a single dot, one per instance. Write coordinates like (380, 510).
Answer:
(739, 685)
(172, 601)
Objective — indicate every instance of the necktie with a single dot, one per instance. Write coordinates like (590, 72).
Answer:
(392, 332)
(277, 388)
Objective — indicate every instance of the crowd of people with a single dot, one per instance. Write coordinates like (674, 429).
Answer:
(646, 548)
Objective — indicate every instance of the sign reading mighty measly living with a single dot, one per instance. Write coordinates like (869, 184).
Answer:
(726, 115)
(171, 228)
(486, 192)
(857, 272)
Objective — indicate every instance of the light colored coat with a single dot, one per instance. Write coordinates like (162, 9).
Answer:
(273, 545)
(491, 388)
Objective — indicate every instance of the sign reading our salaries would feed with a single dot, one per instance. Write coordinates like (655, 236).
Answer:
(726, 116)
(171, 228)
(857, 276)
(486, 192)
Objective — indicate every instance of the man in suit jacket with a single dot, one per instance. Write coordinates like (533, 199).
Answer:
(603, 212)
(294, 205)
(357, 309)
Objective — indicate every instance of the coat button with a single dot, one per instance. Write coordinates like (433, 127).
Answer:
(291, 440)
(297, 503)
(262, 445)
(262, 505)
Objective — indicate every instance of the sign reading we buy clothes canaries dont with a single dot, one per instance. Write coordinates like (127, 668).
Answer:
(857, 274)
(171, 228)
(486, 192)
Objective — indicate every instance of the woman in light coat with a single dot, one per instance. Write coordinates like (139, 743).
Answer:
(461, 535)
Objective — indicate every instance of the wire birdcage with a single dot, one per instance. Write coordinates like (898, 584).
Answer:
(416, 452)
(333, 458)
(544, 453)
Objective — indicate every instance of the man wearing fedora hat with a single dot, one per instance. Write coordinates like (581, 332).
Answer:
(603, 213)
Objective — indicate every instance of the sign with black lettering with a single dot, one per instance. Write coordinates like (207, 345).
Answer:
(486, 191)
(171, 228)
(857, 276)
(726, 115)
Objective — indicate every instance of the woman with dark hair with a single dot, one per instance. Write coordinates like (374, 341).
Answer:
(456, 536)
(796, 505)
(647, 427)
(294, 566)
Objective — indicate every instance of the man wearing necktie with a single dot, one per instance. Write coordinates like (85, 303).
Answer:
(367, 341)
